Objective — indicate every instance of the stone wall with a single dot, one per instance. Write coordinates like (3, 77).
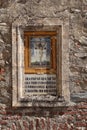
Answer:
(45, 118)
(71, 118)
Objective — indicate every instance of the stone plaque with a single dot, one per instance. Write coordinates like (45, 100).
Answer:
(38, 84)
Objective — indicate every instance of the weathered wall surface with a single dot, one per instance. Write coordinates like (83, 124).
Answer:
(52, 118)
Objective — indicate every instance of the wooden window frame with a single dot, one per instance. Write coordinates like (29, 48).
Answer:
(40, 70)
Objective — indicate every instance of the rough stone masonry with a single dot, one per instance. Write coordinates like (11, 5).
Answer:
(60, 118)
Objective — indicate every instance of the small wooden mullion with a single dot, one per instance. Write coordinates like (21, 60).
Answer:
(54, 52)
(38, 33)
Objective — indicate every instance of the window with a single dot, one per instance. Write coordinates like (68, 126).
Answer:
(39, 64)
(40, 61)
(40, 52)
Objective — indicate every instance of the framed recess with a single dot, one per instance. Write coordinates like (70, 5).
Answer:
(39, 64)
(40, 51)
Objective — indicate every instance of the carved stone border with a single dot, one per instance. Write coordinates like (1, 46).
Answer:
(18, 65)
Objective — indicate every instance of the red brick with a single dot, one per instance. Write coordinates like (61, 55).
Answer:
(54, 127)
(81, 124)
(71, 113)
(4, 118)
(61, 113)
(20, 114)
(54, 113)
(48, 124)
(2, 112)
(42, 123)
(13, 126)
(2, 70)
(37, 124)
(9, 112)
(28, 113)
(70, 108)
(82, 106)
(31, 125)
(18, 126)
(71, 129)
(58, 129)
(63, 126)
(3, 122)
(25, 124)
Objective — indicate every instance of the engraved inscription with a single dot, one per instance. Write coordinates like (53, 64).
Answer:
(40, 84)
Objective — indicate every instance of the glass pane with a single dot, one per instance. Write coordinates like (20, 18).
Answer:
(40, 52)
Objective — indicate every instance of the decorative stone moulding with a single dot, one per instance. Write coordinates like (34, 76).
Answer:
(20, 98)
